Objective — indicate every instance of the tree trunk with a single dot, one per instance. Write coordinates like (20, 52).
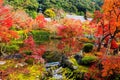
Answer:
(99, 46)
(85, 14)
(108, 47)
(3, 49)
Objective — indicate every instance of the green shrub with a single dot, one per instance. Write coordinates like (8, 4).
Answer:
(32, 13)
(30, 61)
(88, 59)
(12, 48)
(40, 36)
(76, 74)
(88, 47)
(22, 37)
(28, 52)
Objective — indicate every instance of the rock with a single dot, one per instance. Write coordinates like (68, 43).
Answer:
(20, 64)
(75, 67)
(58, 71)
(14, 56)
(51, 68)
(57, 76)
(2, 62)
(78, 58)
(52, 64)
(65, 62)
(51, 56)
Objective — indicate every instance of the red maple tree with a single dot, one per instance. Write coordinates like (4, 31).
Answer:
(70, 31)
(6, 22)
(107, 22)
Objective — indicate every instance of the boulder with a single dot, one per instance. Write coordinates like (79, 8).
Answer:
(78, 58)
(52, 56)
(14, 56)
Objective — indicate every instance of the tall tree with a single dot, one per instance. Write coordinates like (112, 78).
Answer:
(6, 22)
(108, 22)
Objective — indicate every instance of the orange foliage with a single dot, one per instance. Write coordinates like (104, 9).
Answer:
(41, 21)
(22, 20)
(88, 28)
(108, 68)
(111, 10)
(1, 2)
(111, 66)
(108, 21)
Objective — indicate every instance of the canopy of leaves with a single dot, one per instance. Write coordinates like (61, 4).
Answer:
(30, 6)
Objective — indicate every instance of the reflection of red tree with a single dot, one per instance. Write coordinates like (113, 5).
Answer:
(37, 50)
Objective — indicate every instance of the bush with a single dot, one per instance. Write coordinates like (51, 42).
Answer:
(32, 72)
(88, 59)
(12, 48)
(29, 61)
(40, 36)
(88, 47)
(76, 74)
(28, 52)
(32, 13)
(49, 13)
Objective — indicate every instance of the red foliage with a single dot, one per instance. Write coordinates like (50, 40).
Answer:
(70, 31)
(5, 15)
(114, 44)
(6, 22)
(94, 73)
(108, 22)
(111, 66)
(29, 42)
(107, 69)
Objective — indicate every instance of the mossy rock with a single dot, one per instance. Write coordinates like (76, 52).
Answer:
(51, 56)
(87, 47)
(29, 61)
(88, 59)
